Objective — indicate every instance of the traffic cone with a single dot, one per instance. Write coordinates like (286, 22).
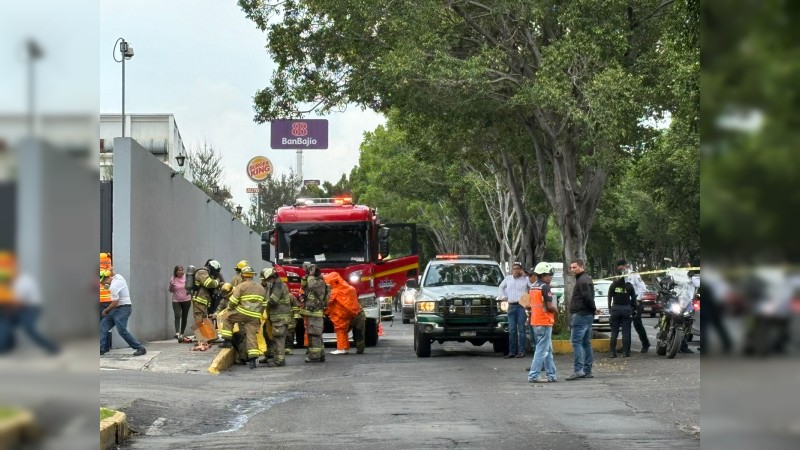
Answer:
(380, 329)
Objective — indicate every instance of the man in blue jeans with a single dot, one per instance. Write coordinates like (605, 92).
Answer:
(583, 309)
(117, 314)
(511, 290)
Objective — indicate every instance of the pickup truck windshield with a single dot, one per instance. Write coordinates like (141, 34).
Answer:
(463, 273)
(345, 242)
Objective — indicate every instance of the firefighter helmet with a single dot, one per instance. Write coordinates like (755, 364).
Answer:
(268, 273)
(214, 265)
(544, 268)
(241, 265)
(248, 272)
(226, 289)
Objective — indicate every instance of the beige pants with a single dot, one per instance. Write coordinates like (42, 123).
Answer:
(250, 326)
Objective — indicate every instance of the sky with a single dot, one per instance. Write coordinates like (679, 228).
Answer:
(203, 61)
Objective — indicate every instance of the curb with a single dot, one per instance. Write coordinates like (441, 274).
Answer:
(222, 361)
(18, 430)
(563, 347)
(114, 431)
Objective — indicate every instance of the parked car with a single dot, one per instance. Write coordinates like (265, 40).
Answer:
(407, 296)
(601, 320)
(557, 286)
(648, 302)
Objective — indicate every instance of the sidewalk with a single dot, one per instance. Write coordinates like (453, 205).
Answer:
(166, 356)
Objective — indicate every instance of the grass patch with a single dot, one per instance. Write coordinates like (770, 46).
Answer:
(7, 412)
(105, 413)
(561, 337)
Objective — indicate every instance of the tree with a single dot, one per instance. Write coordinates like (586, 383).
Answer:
(577, 81)
(206, 165)
(273, 193)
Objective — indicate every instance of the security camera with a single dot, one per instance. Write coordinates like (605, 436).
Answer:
(128, 52)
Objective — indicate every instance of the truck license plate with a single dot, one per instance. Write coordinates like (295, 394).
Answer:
(467, 333)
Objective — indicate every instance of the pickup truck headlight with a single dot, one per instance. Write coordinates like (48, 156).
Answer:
(504, 306)
(426, 306)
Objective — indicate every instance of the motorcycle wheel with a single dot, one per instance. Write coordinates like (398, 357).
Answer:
(661, 348)
(675, 345)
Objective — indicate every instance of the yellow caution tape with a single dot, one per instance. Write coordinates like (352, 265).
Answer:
(651, 272)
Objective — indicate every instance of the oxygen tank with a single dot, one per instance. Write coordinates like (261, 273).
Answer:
(190, 278)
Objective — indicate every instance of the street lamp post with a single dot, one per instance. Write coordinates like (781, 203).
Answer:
(126, 52)
(34, 52)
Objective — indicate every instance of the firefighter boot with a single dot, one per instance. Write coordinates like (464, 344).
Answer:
(225, 344)
(252, 362)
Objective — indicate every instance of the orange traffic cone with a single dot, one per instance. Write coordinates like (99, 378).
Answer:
(380, 329)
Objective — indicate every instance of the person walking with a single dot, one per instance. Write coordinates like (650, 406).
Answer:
(117, 314)
(181, 302)
(279, 304)
(245, 306)
(543, 314)
(583, 309)
(621, 304)
(639, 289)
(317, 293)
(511, 290)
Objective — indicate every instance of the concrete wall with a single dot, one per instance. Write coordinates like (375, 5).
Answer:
(161, 221)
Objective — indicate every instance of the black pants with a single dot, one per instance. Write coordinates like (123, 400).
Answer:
(621, 317)
(181, 311)
(639, 327)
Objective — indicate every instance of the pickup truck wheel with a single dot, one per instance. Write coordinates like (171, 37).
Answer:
(500, 346)
(652, 314)
(422, 345)
(406, 320)
(371, 332)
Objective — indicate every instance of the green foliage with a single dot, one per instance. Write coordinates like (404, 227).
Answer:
(207, 171)
(273, 193)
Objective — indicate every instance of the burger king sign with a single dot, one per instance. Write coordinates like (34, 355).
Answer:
(259, 168)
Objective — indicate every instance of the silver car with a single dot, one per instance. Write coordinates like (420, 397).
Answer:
(601, 320)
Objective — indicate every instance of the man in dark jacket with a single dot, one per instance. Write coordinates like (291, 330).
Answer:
(582, 309)
(621, 304)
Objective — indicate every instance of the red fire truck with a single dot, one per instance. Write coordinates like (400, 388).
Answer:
(339, 236)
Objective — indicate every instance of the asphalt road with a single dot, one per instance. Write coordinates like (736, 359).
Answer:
(461, 397)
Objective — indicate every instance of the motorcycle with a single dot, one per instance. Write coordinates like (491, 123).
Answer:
(677, 316)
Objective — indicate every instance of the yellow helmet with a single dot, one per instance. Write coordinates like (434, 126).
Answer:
(242, 264)
(226, 289)
(248, 272)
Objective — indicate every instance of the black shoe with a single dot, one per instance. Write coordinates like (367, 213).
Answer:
(252, 363)
(225, 344)
(613, 355)
(510, 355)
(687, 351)
(626, 355)
(359, 351)
(139, 352)
(619, 350)
(645, 348)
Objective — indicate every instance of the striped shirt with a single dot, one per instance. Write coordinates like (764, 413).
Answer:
(512, 288)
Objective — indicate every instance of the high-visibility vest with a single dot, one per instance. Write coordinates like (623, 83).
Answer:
(105, 264)
(8, 266)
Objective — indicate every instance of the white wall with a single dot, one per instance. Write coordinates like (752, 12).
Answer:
(161, 221)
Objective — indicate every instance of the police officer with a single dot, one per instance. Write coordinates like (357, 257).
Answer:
(316, 298)
(245, 307)
(279, 304)
(621, 303)
(639, 287)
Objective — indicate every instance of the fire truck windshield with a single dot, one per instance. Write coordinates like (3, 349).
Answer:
(323, 243)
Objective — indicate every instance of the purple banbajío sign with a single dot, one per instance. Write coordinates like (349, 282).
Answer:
(307, 134)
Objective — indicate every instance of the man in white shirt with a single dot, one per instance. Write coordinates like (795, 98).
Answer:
(26, 293)
(511, 290)
(117, 314)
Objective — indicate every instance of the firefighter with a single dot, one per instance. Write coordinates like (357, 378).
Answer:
(317, 293)
(245, 307)
(292, 325)
(279, 304)
(342, 309)
(238, 341)
(237, 278)
(207, 280)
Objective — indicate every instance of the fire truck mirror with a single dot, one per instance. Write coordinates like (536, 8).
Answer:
(267, 243)
(383, 241)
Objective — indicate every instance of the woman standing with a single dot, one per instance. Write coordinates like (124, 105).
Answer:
(181, 302)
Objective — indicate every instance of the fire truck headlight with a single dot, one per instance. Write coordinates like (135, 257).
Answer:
(355, 277)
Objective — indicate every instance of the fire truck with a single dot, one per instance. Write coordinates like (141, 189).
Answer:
(339, 236)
